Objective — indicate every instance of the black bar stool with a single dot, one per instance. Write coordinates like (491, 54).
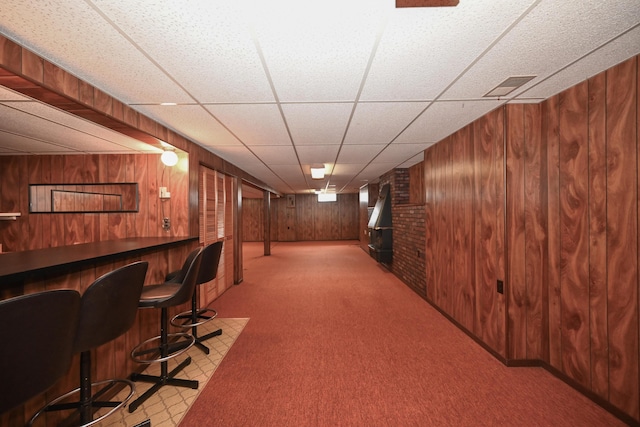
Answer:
(108, 309)
(37, 343)
(199, 316)
(163, 296)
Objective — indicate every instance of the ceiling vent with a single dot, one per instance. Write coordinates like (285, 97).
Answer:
(426, 3)
(509, 85)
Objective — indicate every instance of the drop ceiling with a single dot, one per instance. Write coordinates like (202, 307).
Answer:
(276, 86)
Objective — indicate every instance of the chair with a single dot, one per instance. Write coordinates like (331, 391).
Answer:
(107, 310)
(163, 296)
(199, 316)
(37, 343)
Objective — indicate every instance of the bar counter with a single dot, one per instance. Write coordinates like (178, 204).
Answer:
(18, 266)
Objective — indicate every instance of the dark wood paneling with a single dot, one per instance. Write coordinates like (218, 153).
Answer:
(253, 220)
(429, 212)
(305, 217)
(551, 133)
(515, 228)
(535, 231)
(574, 243)
(599, 349)
(622, 236)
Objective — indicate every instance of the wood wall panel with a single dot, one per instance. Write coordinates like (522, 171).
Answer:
(515, 229)
(253, 220)
(599, 353)
(550, 131)
(574, 243)
(535, 232)
(622, 235)
(429, 218)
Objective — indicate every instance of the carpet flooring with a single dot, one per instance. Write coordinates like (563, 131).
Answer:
(336, 340)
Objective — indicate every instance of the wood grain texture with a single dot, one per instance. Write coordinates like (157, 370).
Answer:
(551, 116)
(574, 243)
(486, 175)
(535, 231)
(429, 208)
(622, 236)
(515, 229)
(599, 349)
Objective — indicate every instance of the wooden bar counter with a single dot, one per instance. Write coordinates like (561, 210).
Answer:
(77, 267)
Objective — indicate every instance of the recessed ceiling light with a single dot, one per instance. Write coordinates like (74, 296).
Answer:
(168, 103)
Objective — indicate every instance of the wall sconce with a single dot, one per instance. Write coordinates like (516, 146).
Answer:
(169, 158)
(317, 171)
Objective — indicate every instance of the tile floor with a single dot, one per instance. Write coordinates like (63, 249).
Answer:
(168, 406)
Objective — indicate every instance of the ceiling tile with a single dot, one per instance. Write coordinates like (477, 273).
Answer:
(358, 154)
(381, 122)
(317, 123)
(276, 154)
(423, 50)
(400, 153)
(310, 154)
(193, 122)
(442, 119)
(254, 124)
(550, 37)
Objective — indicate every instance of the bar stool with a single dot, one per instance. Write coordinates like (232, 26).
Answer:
(199, 316)
(108, 309)
(37, 343)
(163, 296)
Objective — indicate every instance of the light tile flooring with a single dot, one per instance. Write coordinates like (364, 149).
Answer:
(168, 406)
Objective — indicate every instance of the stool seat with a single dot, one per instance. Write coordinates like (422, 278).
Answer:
(107, 310)
(158, 295)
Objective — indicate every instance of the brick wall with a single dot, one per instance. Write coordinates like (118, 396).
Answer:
(408, 232)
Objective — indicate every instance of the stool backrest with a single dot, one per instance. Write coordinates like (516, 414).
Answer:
(109, 306)
(36, 339)
(188, 285)
(209, 264)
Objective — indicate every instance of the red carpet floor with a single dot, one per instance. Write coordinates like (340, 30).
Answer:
(336, 340)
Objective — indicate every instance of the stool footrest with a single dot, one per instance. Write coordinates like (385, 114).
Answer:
(186, 319)
(165, 351)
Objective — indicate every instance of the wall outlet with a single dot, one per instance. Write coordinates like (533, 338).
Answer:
(166, 223)
(500, 287)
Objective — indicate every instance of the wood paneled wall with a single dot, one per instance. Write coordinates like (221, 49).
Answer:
(307, 220)
(41, 230)
(545, 197)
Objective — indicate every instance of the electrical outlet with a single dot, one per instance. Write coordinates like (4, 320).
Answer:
(500, 287)
(164, 194)
(166, 223)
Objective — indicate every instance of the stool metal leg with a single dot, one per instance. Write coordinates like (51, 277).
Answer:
(165, 377)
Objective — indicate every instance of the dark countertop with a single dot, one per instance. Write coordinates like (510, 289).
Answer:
(17, 265)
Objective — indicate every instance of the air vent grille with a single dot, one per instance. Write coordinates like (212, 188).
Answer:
(509, 85)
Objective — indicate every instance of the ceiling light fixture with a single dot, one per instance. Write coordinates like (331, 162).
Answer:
(169, 157)
(317, 171)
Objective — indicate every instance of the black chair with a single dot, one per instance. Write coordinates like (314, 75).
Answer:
(37, 343)
(199, 316)
(108, 309)
(163, 296)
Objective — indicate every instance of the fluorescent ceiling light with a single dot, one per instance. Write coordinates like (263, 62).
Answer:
(327, 197)
(317, 172)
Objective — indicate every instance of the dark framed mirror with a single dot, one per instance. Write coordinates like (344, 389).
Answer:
(86, 198)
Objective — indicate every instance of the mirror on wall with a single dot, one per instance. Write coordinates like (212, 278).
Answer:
(86, 198)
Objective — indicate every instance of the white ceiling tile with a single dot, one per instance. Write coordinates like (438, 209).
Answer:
(276, 154)
(413, 161)
(19, 144)
(7, 94)
(358, 154)
(192, 121)
(310, 154)
(218, 61)
(74, 36)
(424, 49)
(254, 124)
(442, 119)
(615, 52)
(317, 51)
(550, 37)
(381, 122)
(400, 153)
(322, 124)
